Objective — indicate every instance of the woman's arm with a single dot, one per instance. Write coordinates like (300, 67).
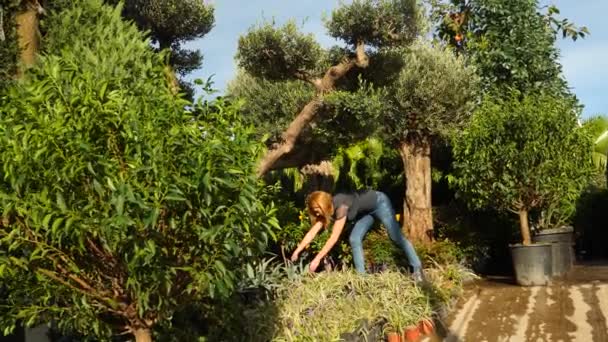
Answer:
(314, 230)
(333, 239)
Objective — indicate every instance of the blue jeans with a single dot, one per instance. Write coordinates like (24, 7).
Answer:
(386, 214)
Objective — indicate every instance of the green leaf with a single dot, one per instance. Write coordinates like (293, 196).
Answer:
(61, 202)
(47, 220)
(56, 224)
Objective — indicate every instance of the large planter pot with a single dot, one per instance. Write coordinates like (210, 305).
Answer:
(561, 240)
(533, 264)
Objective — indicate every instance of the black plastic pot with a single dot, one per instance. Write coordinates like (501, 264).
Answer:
(561, 240)
(533, 264)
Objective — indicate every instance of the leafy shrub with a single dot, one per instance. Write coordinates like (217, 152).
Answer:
(119, 206)
(380, 252)
(441, 252)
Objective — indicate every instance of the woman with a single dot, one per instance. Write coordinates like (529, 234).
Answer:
(361, 207)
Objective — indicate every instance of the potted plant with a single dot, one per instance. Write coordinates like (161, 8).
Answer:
(554, 226)
(518, 154)
(393, 336)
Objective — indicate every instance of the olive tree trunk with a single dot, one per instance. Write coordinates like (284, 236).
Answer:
(417, 206)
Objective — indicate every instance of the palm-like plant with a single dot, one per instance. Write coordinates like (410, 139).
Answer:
(597, 127)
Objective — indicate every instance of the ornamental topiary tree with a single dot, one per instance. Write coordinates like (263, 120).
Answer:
(171, 23)
(522, 153)
(280, 54)
(118, 206)
(433, 95)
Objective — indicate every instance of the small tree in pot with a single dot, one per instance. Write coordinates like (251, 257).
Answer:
(521, 152)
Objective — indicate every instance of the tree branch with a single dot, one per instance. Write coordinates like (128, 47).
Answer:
(307, 114)
(308, 78)
(300, 156)
(290, 135)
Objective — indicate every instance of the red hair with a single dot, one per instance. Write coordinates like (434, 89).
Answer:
(322, 202)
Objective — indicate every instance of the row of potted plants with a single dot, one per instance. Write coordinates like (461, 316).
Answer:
(412, 333)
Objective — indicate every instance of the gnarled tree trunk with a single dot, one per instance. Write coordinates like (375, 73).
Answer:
(417, 206)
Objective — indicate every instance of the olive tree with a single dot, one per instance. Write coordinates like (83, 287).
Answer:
(119, 207)
(522, 152)
(433, 95)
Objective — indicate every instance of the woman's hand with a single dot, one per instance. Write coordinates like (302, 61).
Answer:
(295, 256)
(314, 265)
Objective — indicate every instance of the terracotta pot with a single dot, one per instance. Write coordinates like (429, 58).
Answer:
(393, 337)
(426, 327)
(411, 334)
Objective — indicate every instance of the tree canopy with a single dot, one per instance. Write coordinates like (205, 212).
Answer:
(522, 153)
(512, 43)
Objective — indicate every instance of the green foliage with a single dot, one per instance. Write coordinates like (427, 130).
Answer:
(590, 222)
(119, 207)
(381, 253)
(522, 153)
(266, 103)
(453, 19)
(513, 45)
(341, 306)
(345, 115)
(563, 25)
(475, 244)
(442, 252)
(349, 116)
(171, 21)
(347, 298)
(378, 23)
(598, 129)
(434, 93)
(277, 53)
(170, 24)
(367, 164)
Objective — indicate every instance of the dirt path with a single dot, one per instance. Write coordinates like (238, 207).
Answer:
(571, 309)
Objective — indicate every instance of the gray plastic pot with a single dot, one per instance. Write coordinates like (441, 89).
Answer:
(533, 264)
(563, 234)
(561, 240)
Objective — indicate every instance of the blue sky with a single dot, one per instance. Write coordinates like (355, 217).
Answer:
(585, 61)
